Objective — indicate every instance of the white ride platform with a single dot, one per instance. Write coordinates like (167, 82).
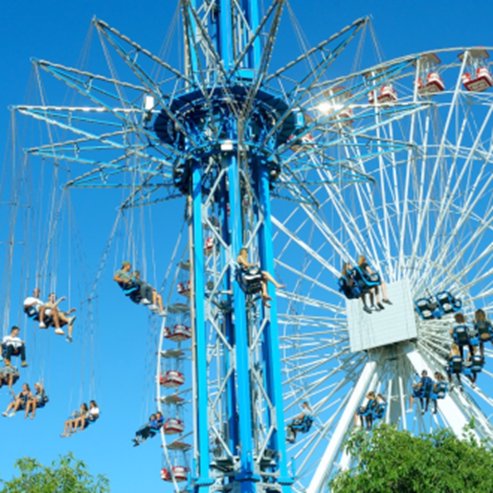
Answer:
(397, 322)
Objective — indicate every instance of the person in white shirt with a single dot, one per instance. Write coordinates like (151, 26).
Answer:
(34, 306)
(13, 345)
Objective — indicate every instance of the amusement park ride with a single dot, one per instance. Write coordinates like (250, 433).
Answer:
(391, 161)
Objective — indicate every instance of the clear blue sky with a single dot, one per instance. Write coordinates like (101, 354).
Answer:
(124, 340)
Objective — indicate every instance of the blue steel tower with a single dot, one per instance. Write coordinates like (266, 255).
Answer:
(228, 129)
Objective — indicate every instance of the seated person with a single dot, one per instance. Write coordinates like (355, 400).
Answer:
(351, 288)
(93, 414)
(380, 408)
(59, 317)
(34, 306)
(300, 423)
(371, 274)
(125, 280)
(13, 345)
(439, 390)
(38, 400)
(454, 366)
(245, 265)
(364, 415)
(461, 334)
(19, 402)
(76, 421)
(81, 419)
(150, 429)
(426, 387)
(8, 376)
(483, 328)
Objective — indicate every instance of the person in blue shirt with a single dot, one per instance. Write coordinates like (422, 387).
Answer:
(150, 429)
(461, 334)
(301, 423)
(364, 414)
(426, 384)
(440, 388)
(454, 364)
(483, 329)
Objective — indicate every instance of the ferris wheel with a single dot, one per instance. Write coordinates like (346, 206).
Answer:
(389, 162)
(424, 222)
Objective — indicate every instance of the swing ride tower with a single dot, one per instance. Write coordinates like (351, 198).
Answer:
(227, 128)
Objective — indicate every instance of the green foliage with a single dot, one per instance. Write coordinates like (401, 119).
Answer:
(67, 475)
(395, 461)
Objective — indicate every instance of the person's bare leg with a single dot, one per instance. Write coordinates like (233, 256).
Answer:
(66, 428)
(56, 316)
(79, 424)
(265, 294)
(159, 299)
(34, 407)
(269, 277)
(42, 315)
(377, 295)
(9, 407)
(384, 291)
(154, 297)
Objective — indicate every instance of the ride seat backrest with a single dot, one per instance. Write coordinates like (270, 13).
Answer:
(426, 385)
(31, 312)
(477, 363)
(368, 280)
(461, 334)
(448, 302)
(368, 409)
(456, 364)
(303, 425)
(132, 289)
(484, 329)
(380, 409)
(250, 280)
(441, 389)
(349, 287)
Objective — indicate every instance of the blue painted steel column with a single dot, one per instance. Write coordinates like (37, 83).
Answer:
(271, 332)
(229, 328)
(246, 477)
(226, 36)
(202, 483)
(252, 12)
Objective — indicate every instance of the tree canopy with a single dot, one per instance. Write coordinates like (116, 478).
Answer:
(395, 461)
(66, 475)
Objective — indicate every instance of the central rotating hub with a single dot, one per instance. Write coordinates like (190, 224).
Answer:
(226, 119)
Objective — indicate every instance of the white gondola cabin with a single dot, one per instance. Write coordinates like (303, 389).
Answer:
(183, 288)
(172, 379)
(429, 80)
(178, 333)
(173, 426)
(477, 77)
(175, 473)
